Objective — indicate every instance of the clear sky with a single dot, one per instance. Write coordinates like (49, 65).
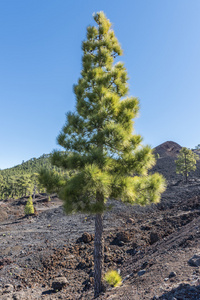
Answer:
(40, 60)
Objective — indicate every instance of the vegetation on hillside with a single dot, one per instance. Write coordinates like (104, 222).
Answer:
(22, 180)
(186, 162)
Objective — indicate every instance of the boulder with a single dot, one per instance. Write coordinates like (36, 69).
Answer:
(195, 260)
(87, 237)
(59, 283)
(141, 272)
(172, 274)
(8, 288)
(123, 236)
(154, 237)
(130, 221)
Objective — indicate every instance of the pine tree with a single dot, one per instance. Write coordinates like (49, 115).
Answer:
(197, 147)
(186, 162)
(50, 179)
(107, 159)
(29, 208)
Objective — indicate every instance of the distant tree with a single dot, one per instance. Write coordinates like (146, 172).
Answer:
(109, 161)
(197, 147)
(24, 185)
(1, 179)
(1, 186)
(186, 162)
(157, 155)
(29, 208)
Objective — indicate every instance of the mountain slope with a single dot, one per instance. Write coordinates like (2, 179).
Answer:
(22, 179)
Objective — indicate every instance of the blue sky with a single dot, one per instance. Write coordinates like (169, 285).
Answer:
(40, 60)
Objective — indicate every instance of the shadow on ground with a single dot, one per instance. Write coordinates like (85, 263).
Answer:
(182, 292)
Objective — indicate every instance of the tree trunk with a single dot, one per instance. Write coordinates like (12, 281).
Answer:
(186, 177)
(98, 255)
(186, 172)
(34, 191)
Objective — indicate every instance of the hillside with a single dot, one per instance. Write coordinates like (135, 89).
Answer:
(166, 154)
(30, 166)
(168, 149)
(156, 248)
(21, 180)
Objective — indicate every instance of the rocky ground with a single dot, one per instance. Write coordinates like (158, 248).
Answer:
(156, 249)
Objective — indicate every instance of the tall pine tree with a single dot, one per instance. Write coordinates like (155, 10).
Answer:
(108, 160)
(186, 162)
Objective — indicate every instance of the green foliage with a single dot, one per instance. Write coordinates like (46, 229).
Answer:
(51, 180)
(157, 155)
(29, 208)
(107, 158)
(186, 162)
(113, 278)
(20, 180)
(197, 147)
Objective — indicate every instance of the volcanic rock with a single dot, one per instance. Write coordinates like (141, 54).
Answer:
(168, 148)
(194, 261)
(154, 237)
(59, 283)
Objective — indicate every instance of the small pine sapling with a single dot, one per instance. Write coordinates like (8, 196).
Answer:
(113, 278)
(29, 208)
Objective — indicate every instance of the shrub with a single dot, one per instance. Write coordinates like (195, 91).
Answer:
(29, 208)
(113, 278)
